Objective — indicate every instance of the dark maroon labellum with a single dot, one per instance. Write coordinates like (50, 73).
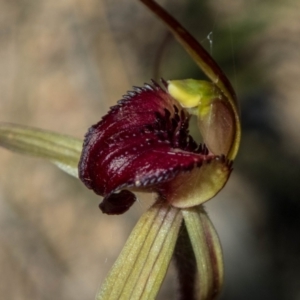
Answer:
(142, 142)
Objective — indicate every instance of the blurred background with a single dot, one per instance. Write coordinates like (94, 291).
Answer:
(64, 63)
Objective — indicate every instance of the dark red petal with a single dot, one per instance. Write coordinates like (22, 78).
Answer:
(143, 141)
(117, 203)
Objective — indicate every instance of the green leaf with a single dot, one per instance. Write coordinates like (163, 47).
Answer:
(62, 150)
(141, 267)
(207, 250)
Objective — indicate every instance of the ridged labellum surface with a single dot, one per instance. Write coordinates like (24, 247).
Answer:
(142, 143)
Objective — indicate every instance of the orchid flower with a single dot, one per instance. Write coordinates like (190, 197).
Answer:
(143, 144)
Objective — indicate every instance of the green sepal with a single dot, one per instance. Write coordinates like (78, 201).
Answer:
(62, 150)
(207, 250)
(141, 267)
